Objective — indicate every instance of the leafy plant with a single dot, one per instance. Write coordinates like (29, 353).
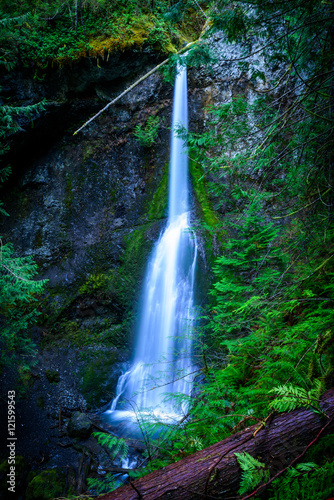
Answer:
(254, 472)
(108, 483)
(147, 136)
(117, 446)
(18, 301)
(290, 397)
(307, 481)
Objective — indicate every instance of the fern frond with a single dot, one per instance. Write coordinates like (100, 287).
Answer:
(117, 446)
(291, 397)
(254, 472)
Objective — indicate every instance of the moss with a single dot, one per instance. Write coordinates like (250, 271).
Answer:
(71, 330)
(208, 214)
(39, 238)
(99, 332)
(211, 223)
(134, 259)
(132, 35)
(68, 192)
(112, 196)
(96, 282)
(24, 381)
(158, 205)
(46, 485)
(40, 402)
(52, 376)
(98, 381)
(88, 152)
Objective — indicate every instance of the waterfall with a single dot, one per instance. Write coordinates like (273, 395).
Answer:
(162, 356)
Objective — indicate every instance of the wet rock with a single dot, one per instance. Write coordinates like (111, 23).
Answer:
(79, 425)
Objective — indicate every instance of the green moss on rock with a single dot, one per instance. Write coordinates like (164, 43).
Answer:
(211, 223)
(158, 205)
(96, 282)
(47, 485)
(97, 379)
(208, 214)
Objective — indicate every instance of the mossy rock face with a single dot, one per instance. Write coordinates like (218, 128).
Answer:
(214, 234)
(46, 485)
(99, 379)
(79, 425)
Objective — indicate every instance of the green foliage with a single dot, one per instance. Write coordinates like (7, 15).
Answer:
(98, 486)
(169, 70)
(18, 300)
(253, 472)
(197, 55)
(233, 20)
(158, 205)
(117, 446)
(147, 136)
(307, 481)
(46, 485)
(267, 162)
(95, 283)
(290, 397)
(9, 124)
(40, 34)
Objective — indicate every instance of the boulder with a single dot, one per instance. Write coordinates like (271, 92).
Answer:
(79, 425)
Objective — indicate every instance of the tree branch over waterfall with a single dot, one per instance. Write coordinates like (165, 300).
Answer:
(137, 82)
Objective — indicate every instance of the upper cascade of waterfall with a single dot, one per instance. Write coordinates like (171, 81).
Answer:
(178, 174)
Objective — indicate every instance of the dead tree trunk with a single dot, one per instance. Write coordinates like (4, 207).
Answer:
(214, 472)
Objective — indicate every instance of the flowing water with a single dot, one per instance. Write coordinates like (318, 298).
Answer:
(162, 356)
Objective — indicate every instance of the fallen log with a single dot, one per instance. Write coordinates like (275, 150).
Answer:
(215, 473)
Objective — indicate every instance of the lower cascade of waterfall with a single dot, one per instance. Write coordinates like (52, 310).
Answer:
(162, 359)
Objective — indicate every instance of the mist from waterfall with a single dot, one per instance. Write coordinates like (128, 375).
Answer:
(162, 355)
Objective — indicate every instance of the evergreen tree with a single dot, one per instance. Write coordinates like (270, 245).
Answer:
(18, 286)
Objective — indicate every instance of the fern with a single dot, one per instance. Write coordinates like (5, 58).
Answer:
(307, 481)
(291, 397)
(147, 135)
(104, 485)
(254, 472)
(117, 446)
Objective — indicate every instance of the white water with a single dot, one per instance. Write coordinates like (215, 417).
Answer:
(162, 355)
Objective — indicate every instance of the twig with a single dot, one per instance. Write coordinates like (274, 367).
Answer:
(263, 424)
